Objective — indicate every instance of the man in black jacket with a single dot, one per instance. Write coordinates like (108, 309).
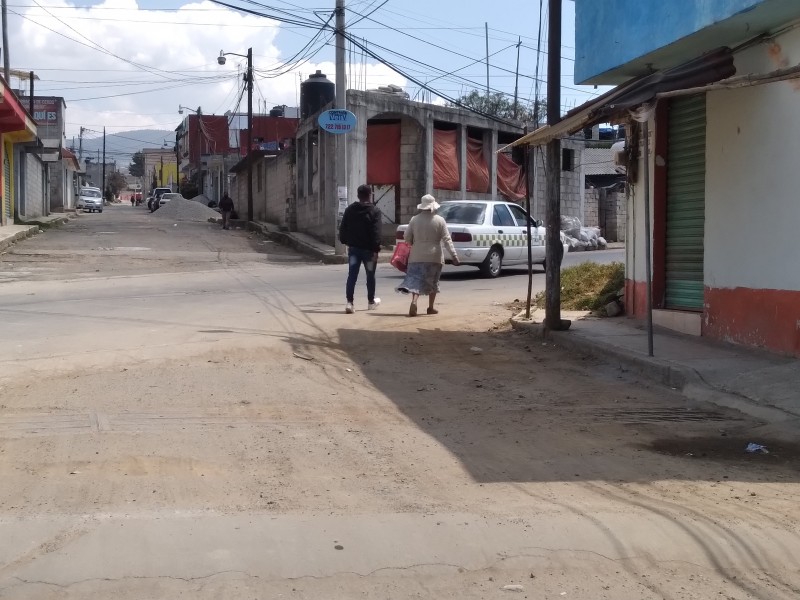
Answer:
(226, 208)
(360, 231)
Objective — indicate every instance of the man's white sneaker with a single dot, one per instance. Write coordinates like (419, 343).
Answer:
(374, 304)
(348, 308)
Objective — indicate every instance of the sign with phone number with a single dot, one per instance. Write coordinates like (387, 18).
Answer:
(337, 121)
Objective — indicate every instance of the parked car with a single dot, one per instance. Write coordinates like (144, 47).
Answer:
(91, 199)
(489, 235)
(157, 192)
(166, 197)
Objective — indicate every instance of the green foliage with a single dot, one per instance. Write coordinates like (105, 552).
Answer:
(136, 168)
(588, 286)
(116, 182)
(500, 105)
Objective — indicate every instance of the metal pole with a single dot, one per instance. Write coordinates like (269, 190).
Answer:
(516, 84)
(249, 134)
(554, 251)
(341, 191)
(527, 163)
(104, 163)
(6, 57)
(486, 24)
(177, 165)
(647, 258)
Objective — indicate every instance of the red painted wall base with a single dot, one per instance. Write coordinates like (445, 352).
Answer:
(764, 318)
(768, 319)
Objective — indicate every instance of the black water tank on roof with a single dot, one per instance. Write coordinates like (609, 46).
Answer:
(316, 92)
(277, 111)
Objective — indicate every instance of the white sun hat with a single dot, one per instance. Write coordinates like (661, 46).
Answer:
(428, 202)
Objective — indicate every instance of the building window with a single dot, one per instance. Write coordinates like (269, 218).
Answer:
(567, 159)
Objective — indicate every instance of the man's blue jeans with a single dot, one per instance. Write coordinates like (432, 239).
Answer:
(356, 257)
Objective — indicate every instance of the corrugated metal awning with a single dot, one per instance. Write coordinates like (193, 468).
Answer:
(709, 68)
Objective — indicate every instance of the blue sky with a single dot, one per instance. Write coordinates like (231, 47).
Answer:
(125, 64)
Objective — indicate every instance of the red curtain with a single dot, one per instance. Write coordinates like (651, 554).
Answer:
(477, 169)
(445, 160)
(383, 154)
(510, 178)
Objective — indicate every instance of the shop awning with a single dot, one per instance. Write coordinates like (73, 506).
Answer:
(706, 69)
(14, 119)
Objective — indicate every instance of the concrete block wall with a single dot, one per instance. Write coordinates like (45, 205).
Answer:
(591, 208)
(572, 184)
(412, 167)
(279, 187)
(606, 210)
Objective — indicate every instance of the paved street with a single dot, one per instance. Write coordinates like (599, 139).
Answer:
(186, 411)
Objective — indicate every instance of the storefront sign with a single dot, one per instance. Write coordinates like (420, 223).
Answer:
(337, 121)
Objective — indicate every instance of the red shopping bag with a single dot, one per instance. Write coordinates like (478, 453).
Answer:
(400, 257)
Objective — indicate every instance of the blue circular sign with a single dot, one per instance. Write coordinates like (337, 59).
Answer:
(337, 121)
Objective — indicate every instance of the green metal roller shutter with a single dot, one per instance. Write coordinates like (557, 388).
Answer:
(686, 182)
(7, 188)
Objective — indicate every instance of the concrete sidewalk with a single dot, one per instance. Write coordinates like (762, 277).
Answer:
(759, 383)
(9, 234)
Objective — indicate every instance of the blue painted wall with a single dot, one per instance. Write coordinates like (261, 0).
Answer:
(611, 33)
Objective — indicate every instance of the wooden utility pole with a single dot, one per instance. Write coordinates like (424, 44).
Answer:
(554, 251)
(528, 171)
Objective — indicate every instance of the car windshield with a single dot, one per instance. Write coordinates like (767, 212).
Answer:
(462, 213)
(91, 193)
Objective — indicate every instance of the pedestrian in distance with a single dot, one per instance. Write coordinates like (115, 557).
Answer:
(226, 208)
(426, 233)
(360, 231)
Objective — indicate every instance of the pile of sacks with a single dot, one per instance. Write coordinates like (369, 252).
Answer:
(580, 238)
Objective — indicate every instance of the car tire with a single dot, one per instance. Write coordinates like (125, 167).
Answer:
(492, 265)
(101, 210)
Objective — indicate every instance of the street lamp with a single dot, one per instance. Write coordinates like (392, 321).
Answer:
(249, 80)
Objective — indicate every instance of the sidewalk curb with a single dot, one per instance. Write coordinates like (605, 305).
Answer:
(20, 235)
(683, 379)
(285, 238)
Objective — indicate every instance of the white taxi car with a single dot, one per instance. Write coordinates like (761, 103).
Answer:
(490, 234)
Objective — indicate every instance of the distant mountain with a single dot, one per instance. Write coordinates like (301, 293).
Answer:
(121, 146)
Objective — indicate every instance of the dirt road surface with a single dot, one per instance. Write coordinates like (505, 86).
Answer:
(196, 418)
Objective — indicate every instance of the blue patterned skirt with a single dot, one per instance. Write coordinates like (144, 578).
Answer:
(421, 278)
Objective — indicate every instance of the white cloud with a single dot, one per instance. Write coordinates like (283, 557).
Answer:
(175, 55)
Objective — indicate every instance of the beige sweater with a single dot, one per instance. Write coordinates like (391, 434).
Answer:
(425, 234)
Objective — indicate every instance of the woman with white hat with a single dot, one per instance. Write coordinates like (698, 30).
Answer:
(426, 233)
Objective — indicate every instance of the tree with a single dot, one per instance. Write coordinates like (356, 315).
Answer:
(136, 168)
(116, 182)
(500, 105)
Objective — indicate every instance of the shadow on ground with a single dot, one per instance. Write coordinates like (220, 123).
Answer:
(513, 410)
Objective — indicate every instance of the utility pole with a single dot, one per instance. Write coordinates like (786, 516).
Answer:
(341, 140)
(6, 57)
(177, 164)
(554, 251)
(487, 60)
(516, 81)
(80, 145)
(104, 163)
(249, 133)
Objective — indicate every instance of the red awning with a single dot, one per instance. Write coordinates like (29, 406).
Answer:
(13, 116)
